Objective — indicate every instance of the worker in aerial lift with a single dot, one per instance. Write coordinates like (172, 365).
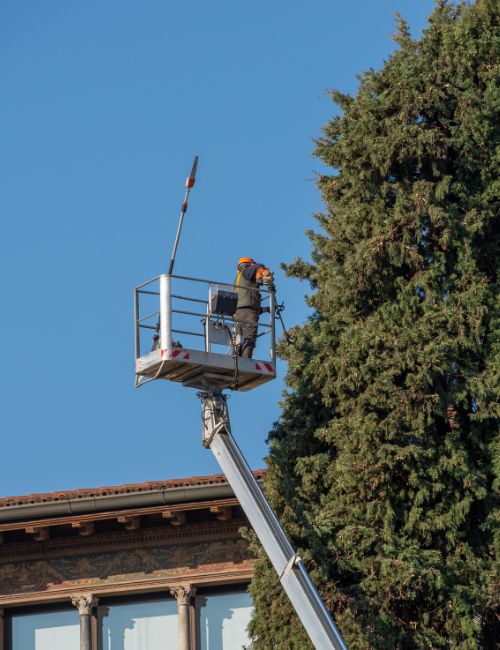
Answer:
(248, 279)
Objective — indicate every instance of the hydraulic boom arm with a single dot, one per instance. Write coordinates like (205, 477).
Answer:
(291, 570)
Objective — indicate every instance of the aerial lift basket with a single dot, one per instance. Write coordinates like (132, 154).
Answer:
(197, 335)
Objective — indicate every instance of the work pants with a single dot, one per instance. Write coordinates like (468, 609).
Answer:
(247, 330)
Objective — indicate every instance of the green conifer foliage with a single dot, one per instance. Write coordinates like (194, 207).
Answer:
(382, 465)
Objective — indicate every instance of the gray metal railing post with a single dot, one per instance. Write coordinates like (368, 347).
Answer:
(272, 308)
(166, 312)
(137, 336)
(208, 346)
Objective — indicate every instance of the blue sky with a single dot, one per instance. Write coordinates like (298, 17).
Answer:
(104, 105)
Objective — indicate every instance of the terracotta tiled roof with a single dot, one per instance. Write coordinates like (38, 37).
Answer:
(127, 488)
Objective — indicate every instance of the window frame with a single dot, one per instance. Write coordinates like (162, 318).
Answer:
(125, 599)
(205, 591)
(28, 610)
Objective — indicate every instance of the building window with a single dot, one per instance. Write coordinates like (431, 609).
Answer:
(49, 631)
(223, 619)
(150, 625)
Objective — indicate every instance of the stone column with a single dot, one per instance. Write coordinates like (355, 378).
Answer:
(183, 594)
(84, 603)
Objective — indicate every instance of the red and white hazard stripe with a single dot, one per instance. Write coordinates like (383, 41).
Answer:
(182, 355)
(264, 367)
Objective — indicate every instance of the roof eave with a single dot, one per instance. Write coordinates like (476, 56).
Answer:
(89, 504)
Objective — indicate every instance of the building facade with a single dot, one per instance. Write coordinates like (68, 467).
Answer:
(150, 566)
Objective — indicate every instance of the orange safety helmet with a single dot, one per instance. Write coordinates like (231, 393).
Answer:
(245, 260)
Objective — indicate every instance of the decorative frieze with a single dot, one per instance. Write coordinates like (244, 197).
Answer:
(146, 561)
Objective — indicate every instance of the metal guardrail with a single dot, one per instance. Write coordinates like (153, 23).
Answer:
(166, 316)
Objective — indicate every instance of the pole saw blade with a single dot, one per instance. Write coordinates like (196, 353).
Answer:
(192, 176)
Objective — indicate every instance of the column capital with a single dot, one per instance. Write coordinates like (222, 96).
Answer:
(183, 593)
(84, 603)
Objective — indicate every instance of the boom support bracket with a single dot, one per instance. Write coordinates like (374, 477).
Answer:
(214, 415)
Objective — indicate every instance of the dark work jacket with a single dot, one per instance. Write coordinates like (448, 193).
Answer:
(244, 281)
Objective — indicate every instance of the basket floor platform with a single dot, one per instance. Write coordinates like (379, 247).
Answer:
(198, 369)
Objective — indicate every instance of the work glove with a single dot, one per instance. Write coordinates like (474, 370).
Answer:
(264, 276)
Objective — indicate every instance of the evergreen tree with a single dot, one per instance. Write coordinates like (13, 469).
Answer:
(382, 464)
